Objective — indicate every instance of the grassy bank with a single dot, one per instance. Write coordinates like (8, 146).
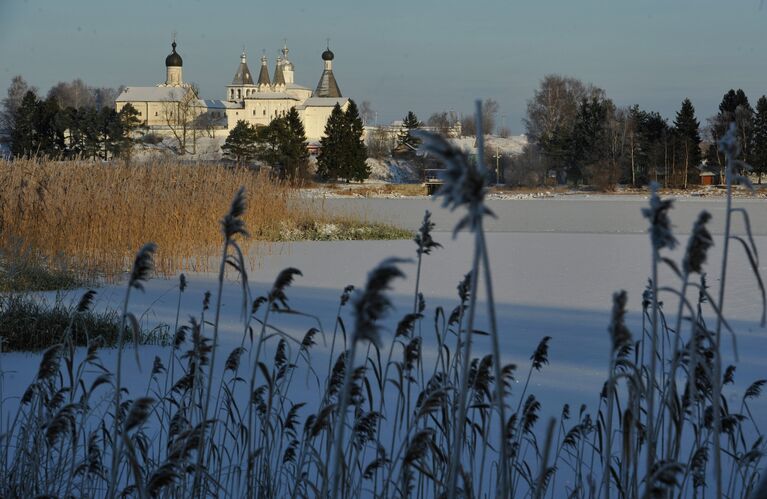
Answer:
(28, 323)
(90, 217)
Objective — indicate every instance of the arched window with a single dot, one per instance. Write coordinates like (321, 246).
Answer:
(239, 93)
(264, 112)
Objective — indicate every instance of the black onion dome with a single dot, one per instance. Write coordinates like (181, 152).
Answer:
(174, 59)
(327, 55)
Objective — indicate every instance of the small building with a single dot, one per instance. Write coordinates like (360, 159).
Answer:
(708, 175)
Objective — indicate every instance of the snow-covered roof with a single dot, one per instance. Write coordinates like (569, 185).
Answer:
(324, 102)
(271, 95)
(295, 86)
(217, 104)
(152, 94)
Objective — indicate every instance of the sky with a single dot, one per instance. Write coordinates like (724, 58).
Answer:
(422, 55)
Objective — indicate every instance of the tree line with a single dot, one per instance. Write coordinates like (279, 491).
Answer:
(578, 135)
(73, 121)
(282, 145)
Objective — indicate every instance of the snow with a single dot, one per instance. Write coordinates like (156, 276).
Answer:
(548, 281)
(551, 283)
(505, 145)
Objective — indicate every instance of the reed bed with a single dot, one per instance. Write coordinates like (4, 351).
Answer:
(91, 216)
(387, 422)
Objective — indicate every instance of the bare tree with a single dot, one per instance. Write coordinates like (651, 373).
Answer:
(489, 112)
(180, 113)
(367, 113)
(468, 126)
(74, 94)
(552, 115)
(380, 143)
(105, 96)
(16, 92)
(528, 169)
(442, 123)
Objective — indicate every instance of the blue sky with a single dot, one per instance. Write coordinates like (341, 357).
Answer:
(424, 55)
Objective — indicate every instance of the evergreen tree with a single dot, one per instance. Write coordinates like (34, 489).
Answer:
(333, 157)
(110, 133)
(296, 156)
(23, 131)
(269, 141)
(240, 144)
(91, 133)
(589, 137)
(687, 134)
(409, 123)
(735, 108)
(759, 154)
(48, 131)
(130, 126)
(356, 167)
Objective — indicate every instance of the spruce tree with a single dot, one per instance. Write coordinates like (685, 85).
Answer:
(409, 123)
(759, 153)
(240, 144)
(356, 168)
(130, 126)
(269, 145)
(296, 156)
(736, 108)
(333, 157)
(23, 131)
(687, 134)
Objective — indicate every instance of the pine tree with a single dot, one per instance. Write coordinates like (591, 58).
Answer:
(269, 145)
(23, 131)
(130, 126)
(89, 127)
(333, 154)
(240, 144)
(409, 124)
(356, 168)
(110, 133)
(759, 153)
(735, 108)
(294, 147)
(687, 134)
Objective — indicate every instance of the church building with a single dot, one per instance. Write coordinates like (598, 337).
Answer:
(258, 102)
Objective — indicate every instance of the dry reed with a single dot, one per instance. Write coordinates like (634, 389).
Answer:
(92, 216)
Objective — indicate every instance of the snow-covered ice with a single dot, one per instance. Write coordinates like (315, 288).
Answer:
(551, 282)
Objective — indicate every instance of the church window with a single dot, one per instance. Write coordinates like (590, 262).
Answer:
(155, 113)
(264, 112)
(239, 93)
(254, 112)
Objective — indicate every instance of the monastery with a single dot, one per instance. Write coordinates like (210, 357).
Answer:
(174, 103)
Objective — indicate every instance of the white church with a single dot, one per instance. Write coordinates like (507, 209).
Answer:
(258, 101)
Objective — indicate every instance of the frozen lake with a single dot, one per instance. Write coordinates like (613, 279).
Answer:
(555, 262)
(581, 214)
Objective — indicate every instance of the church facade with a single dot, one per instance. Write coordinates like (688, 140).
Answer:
(257, 101)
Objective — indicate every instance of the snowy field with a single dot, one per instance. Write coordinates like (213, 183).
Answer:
(555, 266)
